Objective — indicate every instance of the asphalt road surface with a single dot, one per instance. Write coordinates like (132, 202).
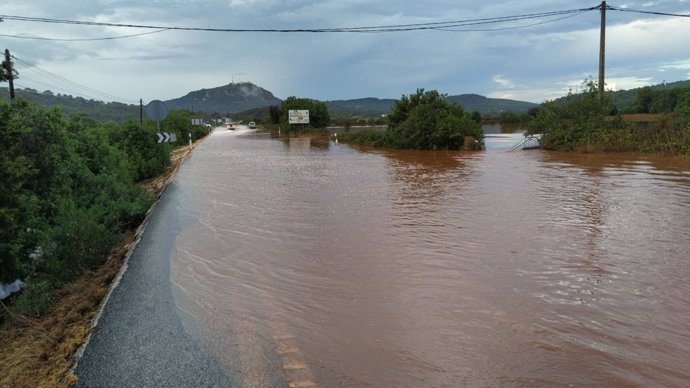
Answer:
(140, 340)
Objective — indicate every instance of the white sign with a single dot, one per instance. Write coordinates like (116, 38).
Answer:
(298, 117)
(197, 122)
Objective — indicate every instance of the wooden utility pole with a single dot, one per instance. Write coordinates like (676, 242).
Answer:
(602, 48)
(10, 72)
(141, 111)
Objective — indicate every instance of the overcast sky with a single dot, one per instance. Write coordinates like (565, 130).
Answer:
(533, 64)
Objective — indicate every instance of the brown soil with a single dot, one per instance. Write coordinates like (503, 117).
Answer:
(39, 352)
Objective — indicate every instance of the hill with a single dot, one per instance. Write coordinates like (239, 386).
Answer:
(247, 99)
(470, 102)
(624, 99)
(484, 105)
(228, 99)
(98, 110)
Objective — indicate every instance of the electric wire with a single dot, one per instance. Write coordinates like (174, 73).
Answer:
(648, 12)
(82, 39)
(68, 84)
(382, 28)
(514, 27)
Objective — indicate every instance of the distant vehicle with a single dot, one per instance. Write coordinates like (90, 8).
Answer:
(252, 124)
(230, 126)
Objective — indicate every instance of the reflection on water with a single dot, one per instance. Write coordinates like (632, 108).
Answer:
(340, 267)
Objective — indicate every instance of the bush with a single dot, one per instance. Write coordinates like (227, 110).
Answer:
(581, 122)
(318, 114)
(146, 157)
(425, 120)
(35, 299)
(68, 194)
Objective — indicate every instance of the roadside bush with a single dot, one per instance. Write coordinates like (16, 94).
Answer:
(68, 194)
(580, 122)
(425, 120)
(365, 136)
(146, 157)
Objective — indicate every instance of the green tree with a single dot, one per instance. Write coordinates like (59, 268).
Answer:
(147, 158)
(581, 122)
(643, 100)
(274, 112)
(6, 70)
(477, 117)
(318, 113)
(425, 120)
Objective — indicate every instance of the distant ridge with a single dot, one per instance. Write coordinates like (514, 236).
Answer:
(248, 98)
(230, 98)
(469, 102)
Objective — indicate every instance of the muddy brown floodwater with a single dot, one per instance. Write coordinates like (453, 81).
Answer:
(304, 263)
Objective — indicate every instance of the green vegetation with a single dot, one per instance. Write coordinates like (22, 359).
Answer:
(69, 193)
(580, 122)
(424, 120)
(318, 114)
(627, 100)
(99, 110)
(656, 100)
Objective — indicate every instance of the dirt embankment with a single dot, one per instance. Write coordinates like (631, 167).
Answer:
(39, 352)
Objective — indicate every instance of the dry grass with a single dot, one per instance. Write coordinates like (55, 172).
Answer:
(39, 352)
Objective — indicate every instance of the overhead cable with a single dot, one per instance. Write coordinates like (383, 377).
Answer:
(82, 39)
(382, 28)
(87, 91)
(648, 12)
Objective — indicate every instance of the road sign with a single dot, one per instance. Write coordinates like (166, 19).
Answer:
(156, 110)
(197, 122)
(298, 116)
(164, 137)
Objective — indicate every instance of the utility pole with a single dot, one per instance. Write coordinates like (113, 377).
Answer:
(141, 111)
(602, 47)
(10, 72)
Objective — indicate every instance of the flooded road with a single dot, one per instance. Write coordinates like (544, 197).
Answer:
(304, 263)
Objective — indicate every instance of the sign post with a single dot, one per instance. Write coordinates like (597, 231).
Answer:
(157, 111)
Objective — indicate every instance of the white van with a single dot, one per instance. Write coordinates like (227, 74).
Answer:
(252, 125)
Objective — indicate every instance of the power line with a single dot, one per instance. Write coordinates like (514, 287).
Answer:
(68, 84)
(83, 39)
(382, 28)
(443, 26)
(514, 27)
(648, 12)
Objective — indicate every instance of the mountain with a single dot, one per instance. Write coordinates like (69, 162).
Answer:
(484, 105)
(359, 107)
(469, 102)
(228, 99)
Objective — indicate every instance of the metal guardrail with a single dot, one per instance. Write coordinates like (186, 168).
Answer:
(529, 142)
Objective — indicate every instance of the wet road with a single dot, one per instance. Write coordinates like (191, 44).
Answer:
(140, 340)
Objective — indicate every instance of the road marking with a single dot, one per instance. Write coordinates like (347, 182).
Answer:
(302, 384)
(297, 365)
